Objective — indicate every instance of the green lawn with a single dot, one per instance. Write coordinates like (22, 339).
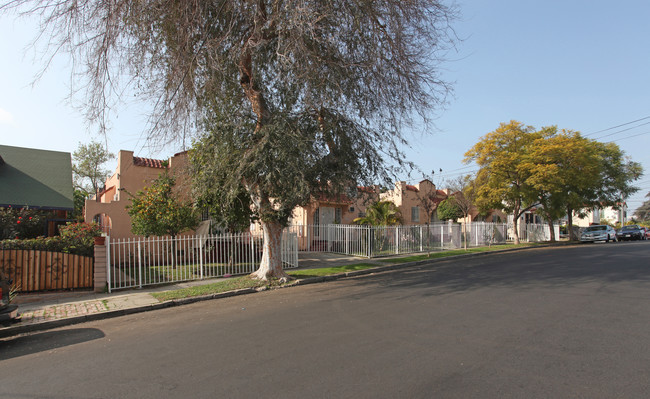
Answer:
(328, 271)
(453, 252)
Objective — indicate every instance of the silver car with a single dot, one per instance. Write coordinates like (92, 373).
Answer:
(601, 232)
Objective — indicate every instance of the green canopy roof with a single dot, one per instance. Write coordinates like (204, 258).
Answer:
(35, 178)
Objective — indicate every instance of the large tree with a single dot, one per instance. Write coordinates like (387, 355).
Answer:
(296, 98)
(557, 171)
(501, 178)
(561, 166)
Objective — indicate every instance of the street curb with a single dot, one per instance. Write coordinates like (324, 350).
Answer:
(51, 324)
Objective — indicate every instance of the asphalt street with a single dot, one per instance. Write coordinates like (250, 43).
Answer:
(567, 322)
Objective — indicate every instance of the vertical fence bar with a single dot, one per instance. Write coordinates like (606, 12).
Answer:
(139, 264)
(108, 263)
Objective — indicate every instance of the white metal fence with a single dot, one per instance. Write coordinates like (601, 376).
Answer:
(373, 241)
(157, 260)
(531, 232)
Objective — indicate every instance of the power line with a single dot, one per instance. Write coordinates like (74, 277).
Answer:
(621, 131)
(628, 137)
(615, 127)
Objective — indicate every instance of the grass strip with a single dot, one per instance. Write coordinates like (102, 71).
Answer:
(328, 271)
(453, 252)
(231, 284)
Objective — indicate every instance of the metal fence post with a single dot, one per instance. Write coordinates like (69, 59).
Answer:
(139, 265)
(108, 262)
(200, 257)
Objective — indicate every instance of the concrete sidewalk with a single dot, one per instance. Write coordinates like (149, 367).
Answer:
(40, 311)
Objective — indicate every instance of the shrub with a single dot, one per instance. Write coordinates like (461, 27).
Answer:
(79, 238)
(75, 238)
(22, 223)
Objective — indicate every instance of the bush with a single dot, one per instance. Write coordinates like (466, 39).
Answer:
(22, 223)
(75, 238)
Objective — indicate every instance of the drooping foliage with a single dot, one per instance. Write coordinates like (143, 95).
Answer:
(293, 99)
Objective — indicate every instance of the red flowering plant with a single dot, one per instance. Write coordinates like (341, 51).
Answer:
(22, 223)
(79, 238)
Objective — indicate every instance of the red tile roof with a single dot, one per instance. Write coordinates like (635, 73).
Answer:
(152, 163)
(412, 188)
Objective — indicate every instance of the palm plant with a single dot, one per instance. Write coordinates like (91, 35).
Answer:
(381, 213)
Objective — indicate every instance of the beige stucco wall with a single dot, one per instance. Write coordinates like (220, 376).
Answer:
(127, 180)
(405, 197)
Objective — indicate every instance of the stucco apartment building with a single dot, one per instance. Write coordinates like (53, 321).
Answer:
(417, 203)
(108, 207)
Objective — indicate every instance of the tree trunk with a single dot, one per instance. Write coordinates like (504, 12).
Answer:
(569, 213)
(550, 225)
(465, 234)
(515, 225)
(271, 264)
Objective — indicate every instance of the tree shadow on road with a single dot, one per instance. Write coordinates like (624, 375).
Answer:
(42, 342)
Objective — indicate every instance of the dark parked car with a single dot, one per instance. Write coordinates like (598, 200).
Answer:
(647, 232)
(601, 232)
(631, 232)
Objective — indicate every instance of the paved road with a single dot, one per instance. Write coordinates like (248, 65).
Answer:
(545, 323)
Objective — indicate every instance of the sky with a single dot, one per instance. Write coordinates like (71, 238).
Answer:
(578, 64)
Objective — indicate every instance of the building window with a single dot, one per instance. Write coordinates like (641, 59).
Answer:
(337, 215)
(317, 216)
(415, 214)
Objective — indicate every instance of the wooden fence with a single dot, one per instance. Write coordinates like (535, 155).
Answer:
(43, 271)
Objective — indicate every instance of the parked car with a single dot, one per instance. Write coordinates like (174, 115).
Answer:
(647, 232)
(600, 232)
(631, 232)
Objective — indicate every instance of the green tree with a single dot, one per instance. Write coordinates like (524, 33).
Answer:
(449, 209)
(295, 97)
(88, 169)
(155, 210)
(381, 213)
(560, 167)
(501, 179)
(570, 173)
(561, 172)
(228, 209)
(79, 203)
